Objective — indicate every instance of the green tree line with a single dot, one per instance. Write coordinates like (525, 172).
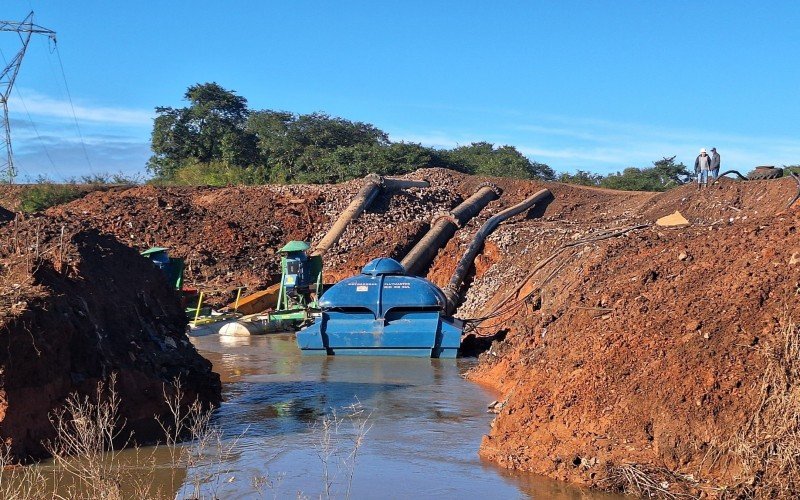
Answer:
(218, 140)
(663, 175)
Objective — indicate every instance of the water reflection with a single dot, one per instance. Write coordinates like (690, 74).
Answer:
(426, 425)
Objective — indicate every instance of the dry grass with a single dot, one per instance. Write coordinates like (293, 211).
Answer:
(649, 482)
(339, 458)
(768, 447)
(88, 461)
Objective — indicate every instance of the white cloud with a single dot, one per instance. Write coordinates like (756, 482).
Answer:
(569, 143)
(43, 106)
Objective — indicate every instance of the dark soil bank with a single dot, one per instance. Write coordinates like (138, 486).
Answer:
(77, 306)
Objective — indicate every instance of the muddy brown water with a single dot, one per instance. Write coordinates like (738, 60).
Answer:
(423, 425)
(424, 421)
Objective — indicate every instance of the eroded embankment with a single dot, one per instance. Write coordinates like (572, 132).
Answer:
(77, 306)
(230, 236)
(650, 355)
(639, 355)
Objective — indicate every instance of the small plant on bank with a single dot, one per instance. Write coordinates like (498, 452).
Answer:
(88, 461)
(336, 456)
(48, 194)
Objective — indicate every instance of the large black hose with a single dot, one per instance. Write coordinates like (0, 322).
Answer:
(373, 184)
(452, 288)
(740, 176)
(797, 196)
(444, 226)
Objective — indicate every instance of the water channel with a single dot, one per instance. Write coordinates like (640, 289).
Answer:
(423, 425)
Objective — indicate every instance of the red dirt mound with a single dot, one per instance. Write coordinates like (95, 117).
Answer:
(230, 236)
(645, 349)
(725, 200)
(76, 306)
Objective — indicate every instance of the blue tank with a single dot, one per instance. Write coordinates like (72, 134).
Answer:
(382, 311)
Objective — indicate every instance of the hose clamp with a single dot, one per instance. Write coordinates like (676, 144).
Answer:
(445, 215)
(494, 187)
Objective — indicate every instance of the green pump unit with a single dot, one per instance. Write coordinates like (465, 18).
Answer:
(301, 282)
(171, 267)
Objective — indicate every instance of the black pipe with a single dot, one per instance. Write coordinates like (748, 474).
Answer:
(444, 226)
(452, 288)
(740, 176)
(797, 196)
(373, 183)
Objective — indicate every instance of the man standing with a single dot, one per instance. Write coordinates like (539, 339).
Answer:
(714, 163)
(701, 166)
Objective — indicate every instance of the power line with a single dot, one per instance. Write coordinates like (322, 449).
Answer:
(74, 115)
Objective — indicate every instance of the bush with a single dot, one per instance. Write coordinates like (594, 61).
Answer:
(218, 174)
(791, 169)
(47, 194)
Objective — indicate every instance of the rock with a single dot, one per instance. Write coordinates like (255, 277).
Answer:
(693, 326)
(673, 220)
(495, 406)
(683, 256)
(795, 258)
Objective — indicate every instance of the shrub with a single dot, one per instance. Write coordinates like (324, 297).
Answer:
(47, 194)
(218, 174)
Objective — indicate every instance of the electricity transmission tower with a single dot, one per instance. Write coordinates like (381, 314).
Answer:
(24, 30)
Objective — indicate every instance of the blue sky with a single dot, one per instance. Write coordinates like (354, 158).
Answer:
(597, 85)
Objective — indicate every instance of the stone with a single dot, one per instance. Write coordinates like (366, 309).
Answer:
(673, 220)
(683, 256)
(692, 326)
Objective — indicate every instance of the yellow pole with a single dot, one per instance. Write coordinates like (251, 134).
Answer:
(236, 305)
(199, 304)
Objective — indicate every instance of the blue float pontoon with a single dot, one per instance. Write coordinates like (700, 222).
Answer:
(382, 311)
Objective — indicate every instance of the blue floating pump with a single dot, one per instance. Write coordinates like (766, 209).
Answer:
(382, 311)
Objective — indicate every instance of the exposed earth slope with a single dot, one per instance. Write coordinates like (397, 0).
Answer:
(630, 356)
(77, 306)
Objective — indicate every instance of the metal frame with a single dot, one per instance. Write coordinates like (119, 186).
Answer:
(25, 29)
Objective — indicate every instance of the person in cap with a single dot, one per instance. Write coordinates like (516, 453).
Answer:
(715, 161)
(701, 167)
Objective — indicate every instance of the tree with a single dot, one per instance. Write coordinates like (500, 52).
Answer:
(663, 174)
(482, 158)
(669, 172)
(211, 128)
(217, 140)
(581, 177)
(349, 162)
(300, 147)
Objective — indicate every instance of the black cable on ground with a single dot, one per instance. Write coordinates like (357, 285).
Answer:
(504, 307)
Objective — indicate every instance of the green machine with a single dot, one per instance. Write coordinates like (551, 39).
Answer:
(170, 266)
(301, 283)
